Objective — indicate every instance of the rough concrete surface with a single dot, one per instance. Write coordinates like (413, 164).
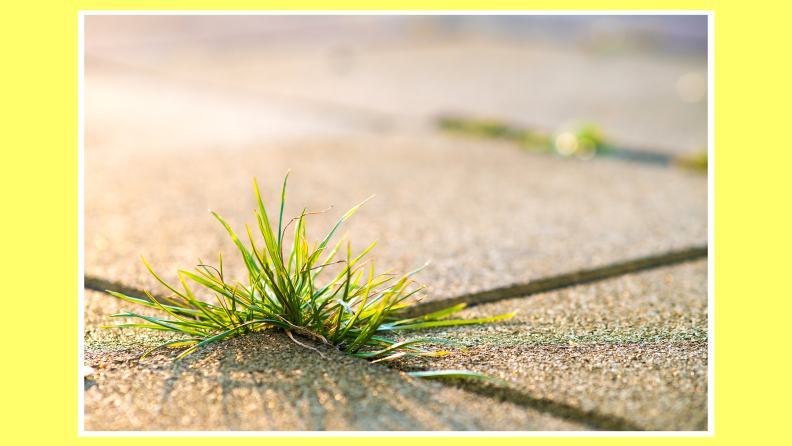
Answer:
(266, 382)
(632, 349)
(485, 214)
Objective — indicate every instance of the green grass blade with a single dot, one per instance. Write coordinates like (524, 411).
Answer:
(173, 313)
(391, 348)
(283, 202)
(171, 343)
(354, 319)
(349, 213)
(167, 325)
(148, 326)
(452, 322)
(160, 280)
(432, 316)
(146, 303)
(329, 257)
(206, 309)
(249, 263)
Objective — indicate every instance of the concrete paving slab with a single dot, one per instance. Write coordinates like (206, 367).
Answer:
(486, 215)
(146, 112)
(633, 97)
(265, 382)
(633, 348)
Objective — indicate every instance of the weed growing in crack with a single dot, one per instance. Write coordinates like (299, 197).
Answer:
(350, 312)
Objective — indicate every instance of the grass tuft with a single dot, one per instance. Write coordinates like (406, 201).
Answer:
(349, 312)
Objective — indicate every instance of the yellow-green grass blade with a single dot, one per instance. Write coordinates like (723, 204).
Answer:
(222, 287)
(404, 345)
(272, 242)
(370, 328)
(146, 303)
(208, 284)
(244, 294)
(294, 256)
(166, 321)
(453, 322)
(401, 297)
(195, 328)
(205, 308)
(329, 257)
(173, 313)
(171, 325)
(354, 319)
(227, 312)
(417, 270)
(249, 263)
(390, 358)
(160, 280)
(262, 260)
(396, 294)
(283, 202)
(456, 374)
(351, 264)
(443, 353)
(391, 348)
(383, 341)
(280, 295)
(175, 303)
(273, 251)
(334, 339)
(149, 326)
(181, 321)
(349, 213)
(171, 344)
(432, 316)
(407, 353)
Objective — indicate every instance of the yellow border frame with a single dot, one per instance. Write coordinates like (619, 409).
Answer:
(40, 178)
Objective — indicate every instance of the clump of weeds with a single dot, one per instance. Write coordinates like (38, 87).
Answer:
(584, 140)
(352, 311)
(495, 129)
(581, 140)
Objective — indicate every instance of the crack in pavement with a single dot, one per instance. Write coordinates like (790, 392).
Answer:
(560, 281)
(594, 419)
(497, 294)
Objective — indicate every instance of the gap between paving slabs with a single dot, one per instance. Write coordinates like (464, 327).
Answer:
(592, 418)
(264, 382)
(560, 281)
(519, 290)
(633, 347)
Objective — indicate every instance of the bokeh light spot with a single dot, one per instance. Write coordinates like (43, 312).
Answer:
(566, 143)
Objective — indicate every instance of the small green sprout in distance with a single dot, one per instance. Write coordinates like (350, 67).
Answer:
(350, 311)
(697, 162)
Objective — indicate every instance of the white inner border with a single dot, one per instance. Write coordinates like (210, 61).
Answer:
(710, 238)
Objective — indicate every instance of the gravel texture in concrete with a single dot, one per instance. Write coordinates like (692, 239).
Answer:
(486, 215)
(266, 382)
(632, 348)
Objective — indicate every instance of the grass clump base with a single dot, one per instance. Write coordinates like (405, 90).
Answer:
(351, 310)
